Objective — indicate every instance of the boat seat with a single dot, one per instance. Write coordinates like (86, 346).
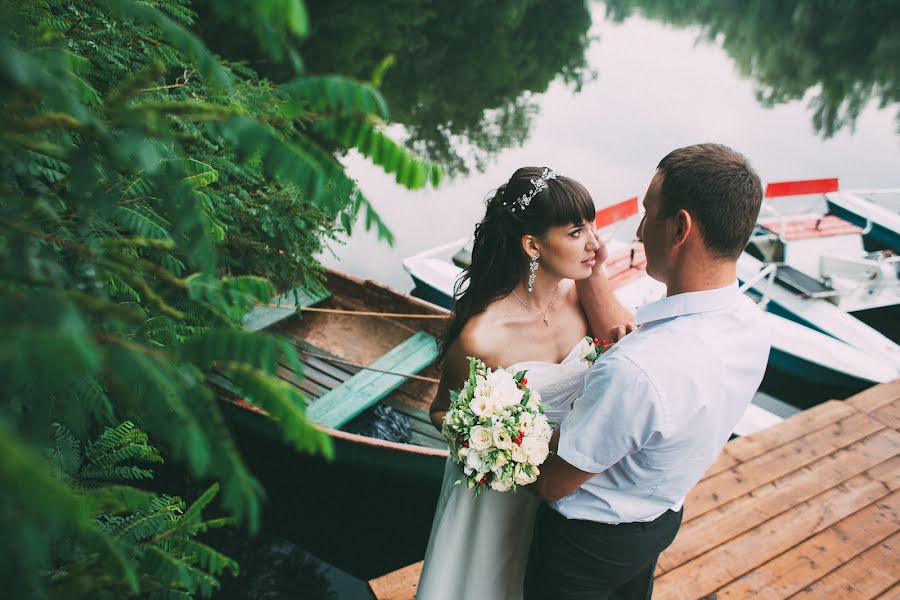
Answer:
(625, 264)
(806, 227)
(801, 283)
(366, 388)
(261, 317)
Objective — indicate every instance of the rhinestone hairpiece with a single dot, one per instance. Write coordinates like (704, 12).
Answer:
(539, 184)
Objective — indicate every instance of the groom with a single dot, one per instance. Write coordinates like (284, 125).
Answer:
(657, 408)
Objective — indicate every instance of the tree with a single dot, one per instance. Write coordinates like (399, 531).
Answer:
(845, 53)
(149, 194)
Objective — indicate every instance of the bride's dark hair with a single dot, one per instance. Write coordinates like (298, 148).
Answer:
(498, 261)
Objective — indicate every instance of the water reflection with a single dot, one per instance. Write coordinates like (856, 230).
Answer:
(841, 54)
(463, 71)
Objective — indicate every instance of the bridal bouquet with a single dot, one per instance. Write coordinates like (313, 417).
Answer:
(496, 429)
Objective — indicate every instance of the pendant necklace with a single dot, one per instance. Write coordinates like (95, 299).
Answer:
(538, 310)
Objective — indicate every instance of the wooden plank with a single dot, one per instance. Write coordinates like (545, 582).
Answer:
(875, 397)
(261, 317)
(763, 503)
(368, 387)
(334, 370)
(889, 414)
(722, 565)
(723, 462)
(795, 426)
(866, 576)
(891, 594)
(820, 554)
(397, 585)
(725, 486)
(309, 387)
(323, 379)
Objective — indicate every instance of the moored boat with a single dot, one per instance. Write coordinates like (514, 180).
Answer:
(825, 356)
(819, 257)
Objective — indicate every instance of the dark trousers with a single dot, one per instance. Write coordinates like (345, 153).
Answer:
(581, 560)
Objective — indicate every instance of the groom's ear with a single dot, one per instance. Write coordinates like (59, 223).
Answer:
(683, 223)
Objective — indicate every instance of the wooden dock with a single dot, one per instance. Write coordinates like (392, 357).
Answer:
(808, 508)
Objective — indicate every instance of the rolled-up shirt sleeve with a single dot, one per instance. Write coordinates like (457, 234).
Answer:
(617, 412)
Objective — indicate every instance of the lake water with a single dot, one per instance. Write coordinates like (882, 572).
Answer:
(657, 88)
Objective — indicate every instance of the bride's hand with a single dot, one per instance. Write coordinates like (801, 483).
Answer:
(601, 254)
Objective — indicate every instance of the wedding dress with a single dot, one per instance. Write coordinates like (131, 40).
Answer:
(478, 547)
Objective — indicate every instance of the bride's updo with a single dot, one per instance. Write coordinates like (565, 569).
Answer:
(498, 260)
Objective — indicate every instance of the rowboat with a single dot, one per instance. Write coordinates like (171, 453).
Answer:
(348, 502)
(815, 355)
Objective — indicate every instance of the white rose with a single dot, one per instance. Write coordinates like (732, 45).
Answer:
(505, 390)
(522, 477)
(536, 449)
(462, 453)
(501, 485)
(542, 427)
(502, 439)
(474, 461)
(482, 405)
(534, 400)
(480, 438)
(500, 459)
(518, 454)
(526, 422)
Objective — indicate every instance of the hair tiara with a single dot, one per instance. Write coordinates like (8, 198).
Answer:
(538, 184)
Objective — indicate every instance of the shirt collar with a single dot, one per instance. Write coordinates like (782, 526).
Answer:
(688, 303)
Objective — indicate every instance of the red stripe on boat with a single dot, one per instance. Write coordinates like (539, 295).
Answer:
(800, 188)
(616, 212)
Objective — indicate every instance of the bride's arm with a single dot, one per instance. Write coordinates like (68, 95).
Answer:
(600, 306)
(454, 373)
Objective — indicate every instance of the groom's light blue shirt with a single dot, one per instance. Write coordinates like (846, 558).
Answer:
(657, 408)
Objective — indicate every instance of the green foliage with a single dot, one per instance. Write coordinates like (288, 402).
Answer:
(149, 195)
(841, 55)
(131, 542)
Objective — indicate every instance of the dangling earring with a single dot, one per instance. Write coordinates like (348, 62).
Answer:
(534, 267)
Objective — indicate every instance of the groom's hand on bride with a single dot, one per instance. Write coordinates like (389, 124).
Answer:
(620, 331)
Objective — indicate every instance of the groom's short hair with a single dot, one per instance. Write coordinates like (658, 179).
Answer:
(720, 190)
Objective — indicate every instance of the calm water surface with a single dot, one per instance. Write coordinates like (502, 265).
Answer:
(657, 88)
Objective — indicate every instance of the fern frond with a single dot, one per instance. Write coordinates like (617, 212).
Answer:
(64, 457)
(408, 170)
(284, 403)
(210, 559)
(331, 94)
(183, 40)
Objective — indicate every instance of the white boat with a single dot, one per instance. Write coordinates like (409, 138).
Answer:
(818, 256)
(876, 211)
(797, 351)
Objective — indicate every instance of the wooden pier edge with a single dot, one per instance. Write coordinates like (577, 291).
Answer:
(807, 508)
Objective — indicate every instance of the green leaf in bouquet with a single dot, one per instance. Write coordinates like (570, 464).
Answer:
(519, 377)
(473, 365)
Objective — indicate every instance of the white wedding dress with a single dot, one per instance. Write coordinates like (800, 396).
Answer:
(478, 547)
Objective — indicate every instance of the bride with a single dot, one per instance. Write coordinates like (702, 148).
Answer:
(535, 289)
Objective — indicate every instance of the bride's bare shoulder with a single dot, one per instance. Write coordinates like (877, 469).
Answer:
(484, 337)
